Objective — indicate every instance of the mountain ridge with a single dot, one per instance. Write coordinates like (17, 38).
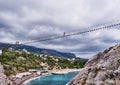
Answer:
(38, 50)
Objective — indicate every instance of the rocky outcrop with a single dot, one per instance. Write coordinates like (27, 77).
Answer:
(101, 69)
(3, 78)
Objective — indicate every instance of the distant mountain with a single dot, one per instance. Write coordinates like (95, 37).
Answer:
(38, 50)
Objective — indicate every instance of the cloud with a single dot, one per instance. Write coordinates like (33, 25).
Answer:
(25, 20)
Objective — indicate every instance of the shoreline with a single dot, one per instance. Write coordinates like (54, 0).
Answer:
(22, 80)
(33, 77)
(28, 80)
(64, 71)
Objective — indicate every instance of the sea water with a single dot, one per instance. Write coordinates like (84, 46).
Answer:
(53, 79)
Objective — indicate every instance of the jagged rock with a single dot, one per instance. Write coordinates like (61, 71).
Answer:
(109, 82)
(3, 78)
(101, 69)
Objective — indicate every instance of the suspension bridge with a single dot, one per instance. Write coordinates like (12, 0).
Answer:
(105, 27)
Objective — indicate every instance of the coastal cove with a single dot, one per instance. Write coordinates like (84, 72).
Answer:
(53, 79)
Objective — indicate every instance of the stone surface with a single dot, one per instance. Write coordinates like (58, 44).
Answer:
(101, 69)
(3, 78)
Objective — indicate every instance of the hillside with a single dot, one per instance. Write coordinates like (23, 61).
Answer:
(38, 50)
(16, 61)
(101, 69)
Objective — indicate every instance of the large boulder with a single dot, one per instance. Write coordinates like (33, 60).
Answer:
(101, 69)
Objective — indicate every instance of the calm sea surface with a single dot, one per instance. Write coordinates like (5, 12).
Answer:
(53, 79)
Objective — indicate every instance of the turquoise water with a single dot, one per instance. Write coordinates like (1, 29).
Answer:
(53, 79)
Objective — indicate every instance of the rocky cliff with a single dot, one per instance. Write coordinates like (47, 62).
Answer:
(3, 79)
(101, 69)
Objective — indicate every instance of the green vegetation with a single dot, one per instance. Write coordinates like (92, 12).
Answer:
(19, 61)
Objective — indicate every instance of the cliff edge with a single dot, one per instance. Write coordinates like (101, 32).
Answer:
(101, 69)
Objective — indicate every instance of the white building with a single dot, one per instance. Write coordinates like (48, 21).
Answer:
(10, 49)
(0, 52)
(20, 75)
(24, 50)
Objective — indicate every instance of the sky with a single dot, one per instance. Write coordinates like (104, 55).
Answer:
(26, 20)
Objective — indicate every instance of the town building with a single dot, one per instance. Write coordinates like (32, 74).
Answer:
(0, 52)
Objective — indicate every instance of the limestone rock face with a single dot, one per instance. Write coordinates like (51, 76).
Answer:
(101, 69)
(3, 78)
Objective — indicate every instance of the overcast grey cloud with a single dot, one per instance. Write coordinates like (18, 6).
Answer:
(24, 20)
